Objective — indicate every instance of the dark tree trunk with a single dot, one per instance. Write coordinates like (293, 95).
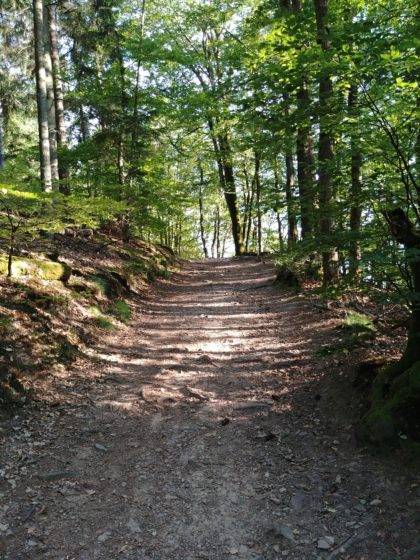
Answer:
(305, 164)
(395, 396)
(2, 157)
(356, 189)
(230, 193)
(258, 202)
(278, 217)
(326, 153)
(201, 207)
(406, 234)
(291, 216)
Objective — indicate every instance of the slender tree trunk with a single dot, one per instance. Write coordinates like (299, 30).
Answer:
(224, 162)
(215, 234)
(278, 217)
(63, 172)
(123, 123)
(326, 153)
(52, 121)
(258, 201)
(84, 124)
(135, 119)
(291, 216)
(201, 207)
(290, 179)
(218, 222)
(2, 156)
(356, 188)
(305, 164)
(247, 200)
(42, 103)
(230, 193)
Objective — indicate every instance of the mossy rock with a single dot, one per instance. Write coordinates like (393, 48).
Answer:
(36, 268)
(393, 411)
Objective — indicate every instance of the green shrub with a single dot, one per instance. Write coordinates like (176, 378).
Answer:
(121, 310)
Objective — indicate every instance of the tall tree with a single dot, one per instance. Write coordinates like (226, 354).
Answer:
(325, 147)
(42, 94)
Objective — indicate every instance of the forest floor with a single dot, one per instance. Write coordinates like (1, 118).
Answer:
(211, 427)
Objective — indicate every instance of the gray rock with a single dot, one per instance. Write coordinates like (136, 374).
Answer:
(325, 543)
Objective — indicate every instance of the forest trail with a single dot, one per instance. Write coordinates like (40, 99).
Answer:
(172, 446)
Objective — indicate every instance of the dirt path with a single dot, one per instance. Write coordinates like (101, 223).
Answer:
(173, 447)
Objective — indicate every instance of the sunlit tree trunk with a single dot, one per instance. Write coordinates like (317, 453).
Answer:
(63, 172)
(52, 121)
(42, 101)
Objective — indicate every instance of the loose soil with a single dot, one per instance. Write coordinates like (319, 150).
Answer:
(209, 428)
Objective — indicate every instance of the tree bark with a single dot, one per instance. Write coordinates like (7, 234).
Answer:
(258, 202)
(278, 216)
(305, 164)
(42, 103)
(201, 208)
(291, 217)
(406, 234)
(356, 188)
(326, 153)
(2, 156)
(52, 121)
(63, 172)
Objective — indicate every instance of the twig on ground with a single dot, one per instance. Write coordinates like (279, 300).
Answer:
(344, 545)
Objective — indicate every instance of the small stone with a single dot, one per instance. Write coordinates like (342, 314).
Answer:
(285, 532)
(325, 543)
(133, 526)
(100, 447)
(297, 502)
(375, 502)
(103, 537)
(233, 551)
(57, 475)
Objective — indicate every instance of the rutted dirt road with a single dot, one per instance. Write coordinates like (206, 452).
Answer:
(200, 434)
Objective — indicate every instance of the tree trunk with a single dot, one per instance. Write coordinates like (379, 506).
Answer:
(63, 172)
(278, 217)
(326, 153)
(230, 193)
(291, 217)
(395, 396)
(258, 202)
(201, 207)
(305, 164)
(2, 157)
(224, 162)
(406, 234)
(52, 121)
(42, 103)
(356, 188)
